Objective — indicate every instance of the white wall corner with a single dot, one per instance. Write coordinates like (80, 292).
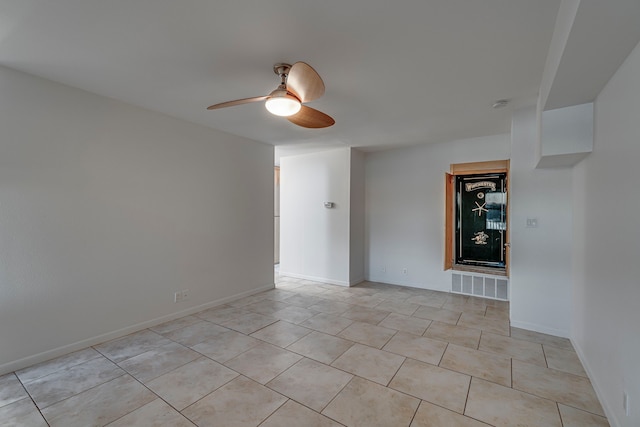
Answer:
(357, 280)
(604, 399)
(536, 327)
(540, 274)
(318, 279)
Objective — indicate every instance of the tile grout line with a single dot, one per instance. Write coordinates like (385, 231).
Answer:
(396, 373)
(442, 355)
(559, 414)
(287, 399)
(413, 417)
(511, 364)
(466, 399)
(544, 354)
(31, 398)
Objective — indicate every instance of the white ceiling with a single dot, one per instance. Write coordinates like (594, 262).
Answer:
(397, 72)
(602, 35)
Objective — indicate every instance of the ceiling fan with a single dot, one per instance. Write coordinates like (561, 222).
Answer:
(299, 83)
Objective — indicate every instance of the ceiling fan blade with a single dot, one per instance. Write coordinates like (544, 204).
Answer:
(308, 117)
(305, 82)
(237, 102)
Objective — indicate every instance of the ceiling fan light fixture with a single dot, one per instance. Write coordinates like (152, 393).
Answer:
(282, 103)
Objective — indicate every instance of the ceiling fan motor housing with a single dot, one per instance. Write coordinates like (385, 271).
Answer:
(282, 69)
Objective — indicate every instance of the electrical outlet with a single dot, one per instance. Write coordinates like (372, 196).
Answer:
(404, 271)
(383, 269)
(532, 222)
(181, 295)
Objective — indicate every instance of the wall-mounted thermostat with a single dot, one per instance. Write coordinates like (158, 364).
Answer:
(329, 205)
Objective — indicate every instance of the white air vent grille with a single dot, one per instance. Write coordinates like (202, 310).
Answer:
(467, 283)
(456, 283)
(480, 285)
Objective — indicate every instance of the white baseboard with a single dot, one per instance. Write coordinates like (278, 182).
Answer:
(606, 406)
(315, 279)
(79, 345)
(542, 329)
(392, 281)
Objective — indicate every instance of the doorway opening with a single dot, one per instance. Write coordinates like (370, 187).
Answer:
(276, 216)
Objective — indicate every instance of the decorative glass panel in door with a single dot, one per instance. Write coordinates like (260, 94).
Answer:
(481, 219)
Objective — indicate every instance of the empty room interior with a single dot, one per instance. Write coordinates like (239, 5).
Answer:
(433, 222)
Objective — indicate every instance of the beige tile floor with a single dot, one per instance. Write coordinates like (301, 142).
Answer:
(313, 354)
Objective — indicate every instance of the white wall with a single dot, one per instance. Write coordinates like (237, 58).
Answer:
(405, 221)
(541, 269)
(276, 215)
(405, 208)
(356, 220)
(107, 209)
(567, 130)
(315, 240)
(606, 293)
